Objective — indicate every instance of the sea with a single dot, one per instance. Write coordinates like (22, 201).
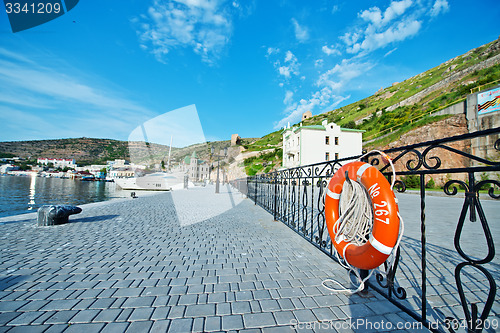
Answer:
(25, 194)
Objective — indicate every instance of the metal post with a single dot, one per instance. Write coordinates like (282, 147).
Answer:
(255, 197)
(275, 210)
(363, 273)
(217, 182)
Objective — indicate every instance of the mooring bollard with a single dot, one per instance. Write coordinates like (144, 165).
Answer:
(56, 214)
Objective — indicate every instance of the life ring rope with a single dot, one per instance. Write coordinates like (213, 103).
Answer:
(352, 211)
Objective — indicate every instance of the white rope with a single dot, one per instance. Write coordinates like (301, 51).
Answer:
(355, 224)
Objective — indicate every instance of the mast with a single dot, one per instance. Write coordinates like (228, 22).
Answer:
(169, 151)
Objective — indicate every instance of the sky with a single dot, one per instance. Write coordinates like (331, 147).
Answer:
(245, 66)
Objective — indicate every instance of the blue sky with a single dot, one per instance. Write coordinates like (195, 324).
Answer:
(249, 67)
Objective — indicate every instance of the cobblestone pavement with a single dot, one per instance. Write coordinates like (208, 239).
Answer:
(129, 266)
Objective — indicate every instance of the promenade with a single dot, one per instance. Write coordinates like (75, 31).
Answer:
(184, 261)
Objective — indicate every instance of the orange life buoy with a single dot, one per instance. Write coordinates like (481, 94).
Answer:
(385, 229)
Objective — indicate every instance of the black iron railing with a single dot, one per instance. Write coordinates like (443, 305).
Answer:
(446, 282)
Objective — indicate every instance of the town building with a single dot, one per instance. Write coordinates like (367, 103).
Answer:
(304, 145)
(197, 170)
(58, 162)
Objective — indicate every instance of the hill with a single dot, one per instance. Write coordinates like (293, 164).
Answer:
(83, 150)
(88, 151)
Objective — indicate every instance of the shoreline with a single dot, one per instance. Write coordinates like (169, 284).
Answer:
(24, 217)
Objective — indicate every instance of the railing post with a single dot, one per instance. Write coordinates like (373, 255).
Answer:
(275, 209)
(363, 273)
(255, 196)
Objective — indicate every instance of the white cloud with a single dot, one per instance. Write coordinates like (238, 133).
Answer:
(285, 71)
(337, 77)
(272, 50)
(395, 33)
(389, 52)
(301, 33)
(202, 25)
(319, 63)
(289, 67)
(349, 38)
(374, 15)
(440, 6)
(383, 27)
(288, 97)
(330, 50)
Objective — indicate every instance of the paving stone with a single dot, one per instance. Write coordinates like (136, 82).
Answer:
(240, 307)
(58, 328)
(324, 314)
(60, 305)
(84, 316)
(200, 310)
(29, 329)
(216, 298)
(141, 314)
(108, 315)
(284, 317)
(61, 317)
(269, 305)
(128, 292)
(304, 316)
(357, 310)
(33, 306)
(160, 326)
(181, 325)
(176, 312)
(223, 309)
(188, 299)
(136, 302)
(198, 324)
(212, 324)
(79, 328)
(124, 314)
(232, 322)
(102, 303)
(25, 318)
(255, 320)
(6, 306)
(139, 326)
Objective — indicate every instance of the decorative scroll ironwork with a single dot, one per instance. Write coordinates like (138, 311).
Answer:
(296, 197)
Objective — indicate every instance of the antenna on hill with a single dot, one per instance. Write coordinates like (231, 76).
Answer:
(169, 151)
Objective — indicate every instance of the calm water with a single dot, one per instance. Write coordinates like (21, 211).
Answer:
(20, 195)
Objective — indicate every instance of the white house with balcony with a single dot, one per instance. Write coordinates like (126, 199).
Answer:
(304, 145)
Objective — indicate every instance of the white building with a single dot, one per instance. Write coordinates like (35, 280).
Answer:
(4, 168)
(58, 162)
(304, 145)
(198, 170)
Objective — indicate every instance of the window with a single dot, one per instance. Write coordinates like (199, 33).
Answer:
(327, 140)
(327, 156)
(336, 140)
(336, 156)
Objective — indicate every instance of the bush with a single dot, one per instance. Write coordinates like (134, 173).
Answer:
(411, 181)
(430, 184)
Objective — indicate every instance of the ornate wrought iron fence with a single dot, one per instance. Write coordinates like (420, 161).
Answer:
(430, 280)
